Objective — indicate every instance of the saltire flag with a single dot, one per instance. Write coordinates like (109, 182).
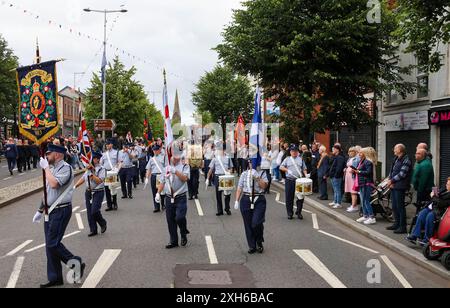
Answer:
(38, 101)
(168, 133)
(257, 133)
(104, 63)
(85, 145)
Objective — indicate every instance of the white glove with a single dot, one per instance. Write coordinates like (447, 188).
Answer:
(308, 176)
(207, 184)
(146, 182)
(158, 198)
(37, 218)
(43, 163)
(75, 188)
(236, 205)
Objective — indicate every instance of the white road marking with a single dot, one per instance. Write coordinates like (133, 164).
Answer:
(4, 166)
(309, 258)
(277, 198)
(19, 248)
(43, 245)
(16, 273)
(199, 208)
(7, 179)
(75, 209)
(102, 266)
(348, 242)
(79, 221)
(396, 273)
(83, 211)
(211, 250)
(22, 174)
(306, 211)
(315, 222)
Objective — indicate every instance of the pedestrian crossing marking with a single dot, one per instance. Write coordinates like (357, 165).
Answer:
(211, 251)
(312, 261)
(43, 245)
(19, 248)
(79, 221)
(396, 273)
(348, 242)
(199, 208)
(16, 273)
(102, 266)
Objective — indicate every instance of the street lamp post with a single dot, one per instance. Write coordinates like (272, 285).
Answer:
(75, 102)
(105, 12)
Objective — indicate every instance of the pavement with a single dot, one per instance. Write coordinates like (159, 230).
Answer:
(377, 232)
(318, 252)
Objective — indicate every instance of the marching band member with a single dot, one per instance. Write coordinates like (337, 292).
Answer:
(155, 168)
(110, 161)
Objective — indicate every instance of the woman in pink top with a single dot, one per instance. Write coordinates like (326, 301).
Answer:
(350, 179)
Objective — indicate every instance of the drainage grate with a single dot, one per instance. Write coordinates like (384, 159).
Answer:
(198, 277)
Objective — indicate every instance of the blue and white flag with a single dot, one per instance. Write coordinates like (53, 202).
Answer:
(257, 133)
(104, 63)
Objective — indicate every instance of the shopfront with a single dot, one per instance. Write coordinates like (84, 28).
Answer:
(409, 129)
(441, 118)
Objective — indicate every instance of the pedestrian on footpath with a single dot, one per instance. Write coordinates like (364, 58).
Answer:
(423, 177)
(220, 165)
(350, 180)
(174, 185)
(399, 183)
(110, 162)
(11, 154)
(250, 199)
(94, 179)
(364, 182)
(155, 168)
(295, 168)
(314, 164)
(323, 172)
(337, 176)
(59, 198)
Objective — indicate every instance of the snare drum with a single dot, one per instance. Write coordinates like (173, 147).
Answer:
(227, 183)
(304, 186)
(112, 178)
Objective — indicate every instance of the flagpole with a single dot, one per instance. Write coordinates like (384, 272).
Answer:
(42, 150)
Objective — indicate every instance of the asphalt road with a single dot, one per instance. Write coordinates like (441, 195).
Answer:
(315, 253)
(7, 180)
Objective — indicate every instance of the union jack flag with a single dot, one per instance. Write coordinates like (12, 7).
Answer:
(85, 145)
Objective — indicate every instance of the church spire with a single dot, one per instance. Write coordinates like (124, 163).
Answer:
(176, 111)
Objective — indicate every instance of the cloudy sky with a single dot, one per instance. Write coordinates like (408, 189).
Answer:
(175, 34)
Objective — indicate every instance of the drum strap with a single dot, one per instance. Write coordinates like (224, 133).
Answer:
(221, 165)
(109, 160)
(157, 165)
(296, 167)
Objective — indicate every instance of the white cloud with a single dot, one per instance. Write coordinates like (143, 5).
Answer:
(175, 34)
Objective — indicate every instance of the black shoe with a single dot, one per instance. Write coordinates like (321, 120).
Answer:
(400, 231)
(52, 284)
(10, 172)
(92, 234)
(392, 228)
(130, 197)
(260, 248)
(124, 197)
(184, 242)
(104, 228)
(171, 246)
(109, 209)
(191, 198)
(196, 197)
(228, 212)
(291, 217)
(300, 216)
(252, 251)
(156, 211)
(219, 214)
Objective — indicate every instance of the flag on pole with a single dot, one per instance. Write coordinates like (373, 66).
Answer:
(240, 132)
(256, 133)
(168, 134)
(104, 63)
(85, 145)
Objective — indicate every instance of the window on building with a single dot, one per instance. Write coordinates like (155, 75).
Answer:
(392, 97)
(422, 82)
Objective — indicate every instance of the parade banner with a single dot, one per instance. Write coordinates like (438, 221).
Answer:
(38, 101)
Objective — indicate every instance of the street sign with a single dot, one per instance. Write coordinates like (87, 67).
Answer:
(104, 125)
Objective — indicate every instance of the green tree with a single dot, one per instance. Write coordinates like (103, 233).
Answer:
(317, 58)
(202, 117)
(126, 102)
(223, 95)
(8, 84)
(424, 26)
